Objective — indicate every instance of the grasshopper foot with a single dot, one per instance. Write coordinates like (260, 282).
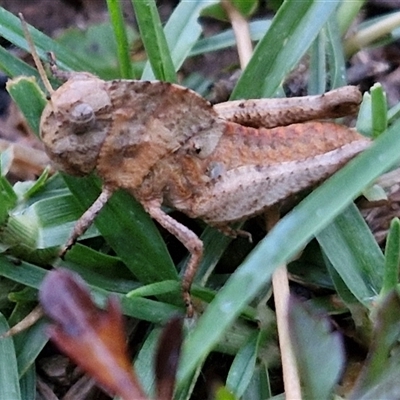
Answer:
(234, 233)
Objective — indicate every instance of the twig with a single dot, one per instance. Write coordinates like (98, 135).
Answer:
(242, 33)
(280, 286)
(25, 323)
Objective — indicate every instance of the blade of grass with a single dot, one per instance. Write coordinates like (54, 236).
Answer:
(347, 12)
(318, 378)
(352, 250)
(30, 99)
(154, 40)
(10, 29)
(293, 29)
(283, 242)
(28, 345)
(242, 368)
(259, 387)
(181, 32)
(121, 38)
(144, 363)
(379, 110)
(336, 62)
(9, 381)
(148, 310)
(28, 384)
(13, 66)
(317, 81)
(392, 257)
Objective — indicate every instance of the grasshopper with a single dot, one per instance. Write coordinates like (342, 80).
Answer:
(166, 145)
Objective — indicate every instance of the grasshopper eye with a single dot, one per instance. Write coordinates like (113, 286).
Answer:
(82, 114)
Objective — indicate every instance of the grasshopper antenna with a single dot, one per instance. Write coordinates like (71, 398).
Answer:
(35, 56)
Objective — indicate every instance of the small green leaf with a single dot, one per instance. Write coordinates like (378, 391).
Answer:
(379, 110)
(364, 119)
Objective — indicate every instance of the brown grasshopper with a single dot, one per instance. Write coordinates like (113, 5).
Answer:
(166, 145)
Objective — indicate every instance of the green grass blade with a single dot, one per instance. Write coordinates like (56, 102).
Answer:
(181, 32)
(121, 38)
(11, 29)
(13, 66)
(243, 365)
(284, 241)
(295, 26)
(352, 250)
(379, 110)
(154, 40)
(347, 12)
(317, 81)
(148, 310)
(9, 381)
(28, 345)
(392, 257)
(144, 363)
(259, 387)
(336, 61)
(317, 378)
(29, 98)
(28, 384)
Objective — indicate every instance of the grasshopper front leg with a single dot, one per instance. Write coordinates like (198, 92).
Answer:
(188, 238)
(86, 220)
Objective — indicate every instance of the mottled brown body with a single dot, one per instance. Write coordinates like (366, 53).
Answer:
(167, 145)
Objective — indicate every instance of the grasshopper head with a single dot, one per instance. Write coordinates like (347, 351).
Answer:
(75, 123)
